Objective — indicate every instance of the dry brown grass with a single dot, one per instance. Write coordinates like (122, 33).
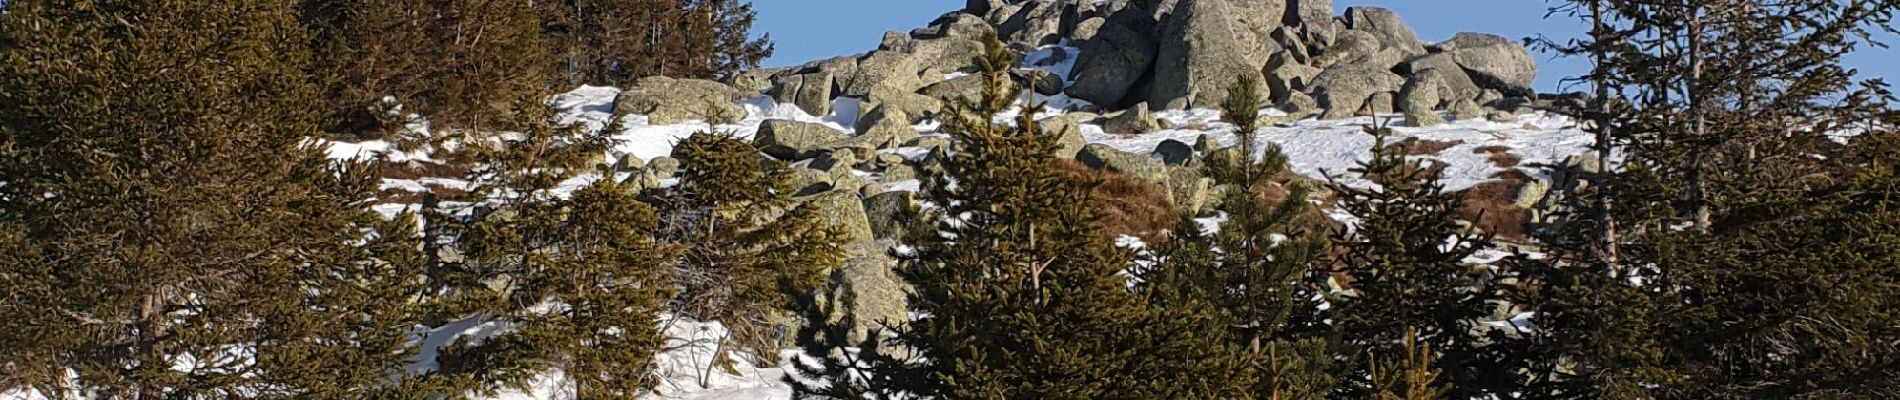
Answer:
(1129, 205)
(1422, 147)
(1500, 156)
(1490, 206)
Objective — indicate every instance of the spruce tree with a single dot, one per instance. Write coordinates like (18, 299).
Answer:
(1019, 296)
(1254, 268)
(752, 248)
(1403, 264)
(581, 276)
(169, 231)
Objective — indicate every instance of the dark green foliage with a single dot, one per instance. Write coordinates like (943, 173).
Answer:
(1018, 296)
(457, 63)
(1746, 271)
(1403, 265)
(158, 207)
(752, 248)
(1253, 271)
(603, 42)
(581, 276)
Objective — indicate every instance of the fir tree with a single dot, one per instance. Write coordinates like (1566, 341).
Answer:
(169, 233)
(1403, 264)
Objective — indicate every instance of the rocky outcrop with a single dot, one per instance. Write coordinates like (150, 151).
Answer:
(1134, 120)
(1421, 96)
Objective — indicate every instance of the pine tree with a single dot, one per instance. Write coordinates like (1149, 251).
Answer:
(582, 277)
(752, 248)
(1404, 266)
(169, 232)
(1017, 294)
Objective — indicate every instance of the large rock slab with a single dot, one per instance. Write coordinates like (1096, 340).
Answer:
(883, 69)
(791, 140)
(667, 100)
(916, 106)
(1494, 62)
(1202, 54)
(1344, 90)
(1111, 63)
(1309, 12)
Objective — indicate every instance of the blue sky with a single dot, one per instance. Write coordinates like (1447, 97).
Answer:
(814, 29)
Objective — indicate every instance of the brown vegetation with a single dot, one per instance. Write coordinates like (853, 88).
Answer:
(1128, 205)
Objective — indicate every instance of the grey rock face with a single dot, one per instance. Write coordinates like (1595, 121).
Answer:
(1350, 47)
(1385, 24)
(1494, 62)
(886, 211)
(883, 128)
(883, 68)
(1201, 55)
(1420, 98)
(1285, 80)
(810, 92)
(1111, 63)
(1068, 133)
(791, 140)
(965, 25)
(1344, 90)
(667, 100)
(1037, 23)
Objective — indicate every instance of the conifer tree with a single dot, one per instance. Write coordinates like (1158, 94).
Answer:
(1404, 267)
(1727, 283)
(1257, 280)
(582, 277)
(752, 247)
(1017, 294)
(169, 232)
(605, 42)
(456, 63)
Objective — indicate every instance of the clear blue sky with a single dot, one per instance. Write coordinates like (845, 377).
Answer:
(814, 29)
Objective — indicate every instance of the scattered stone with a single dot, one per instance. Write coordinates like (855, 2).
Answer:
(1299, 105)
(1464, 109)
(1501, 117)
(1134, 120)
(1104, 157)
(1175, 152)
